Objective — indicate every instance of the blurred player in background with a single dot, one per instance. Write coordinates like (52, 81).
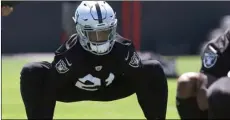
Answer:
(193, 101)
(95, 64)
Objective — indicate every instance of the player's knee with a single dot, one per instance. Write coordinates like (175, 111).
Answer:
(30, 68)
(219, 90)
(34, 69)
(155, 73)
(154, 69)
(219, 97)
(186, 85)
(152, 66)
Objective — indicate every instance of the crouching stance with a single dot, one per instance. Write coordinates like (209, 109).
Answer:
(95, 64)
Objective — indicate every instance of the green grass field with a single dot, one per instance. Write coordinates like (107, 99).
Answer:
(128, 108)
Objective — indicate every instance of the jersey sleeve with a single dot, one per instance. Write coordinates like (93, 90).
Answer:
(67, 45)
(216, 57)
(128, 54)
(132, 63)
(62, 60)
(132, 59)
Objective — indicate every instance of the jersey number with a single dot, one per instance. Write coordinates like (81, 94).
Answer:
(95, 82)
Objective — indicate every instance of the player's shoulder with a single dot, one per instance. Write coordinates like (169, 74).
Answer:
(123, 45)
(67, 45)
(122, 41)
(216, 47)
(219, 44)
(215, 56)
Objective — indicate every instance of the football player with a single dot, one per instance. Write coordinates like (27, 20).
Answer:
(95, 64)
(192, 99)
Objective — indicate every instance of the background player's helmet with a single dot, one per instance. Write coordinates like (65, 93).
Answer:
(96, 25)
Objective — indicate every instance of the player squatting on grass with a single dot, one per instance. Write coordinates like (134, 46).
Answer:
(95, 64)
(37, 79)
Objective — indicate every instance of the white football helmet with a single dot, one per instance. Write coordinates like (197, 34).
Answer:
(96, 25)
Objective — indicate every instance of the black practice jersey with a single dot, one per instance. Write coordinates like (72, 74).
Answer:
(216, 56)
(91, 72)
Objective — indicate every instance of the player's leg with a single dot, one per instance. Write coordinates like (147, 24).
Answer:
(218, 98)
(152, 90)
(33, 77)
(188, 88)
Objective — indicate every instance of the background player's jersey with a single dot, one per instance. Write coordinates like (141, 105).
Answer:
(90, 72)
(216, 56)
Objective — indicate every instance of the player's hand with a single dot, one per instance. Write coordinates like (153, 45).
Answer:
(6, 10)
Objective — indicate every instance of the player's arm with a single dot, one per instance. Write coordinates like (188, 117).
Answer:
(62, 60)
(215, 58)
(150, 84)
(192, 86)
(68, 44)
(215, 64)
(58, 71)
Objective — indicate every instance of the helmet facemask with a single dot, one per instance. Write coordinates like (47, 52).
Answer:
(98, 41)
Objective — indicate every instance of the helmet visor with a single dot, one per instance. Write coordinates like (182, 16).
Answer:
(99, 35)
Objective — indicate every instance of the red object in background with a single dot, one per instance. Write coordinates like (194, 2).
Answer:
(126, 19)
(132, 18)
(136, 24)
(64, 37)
